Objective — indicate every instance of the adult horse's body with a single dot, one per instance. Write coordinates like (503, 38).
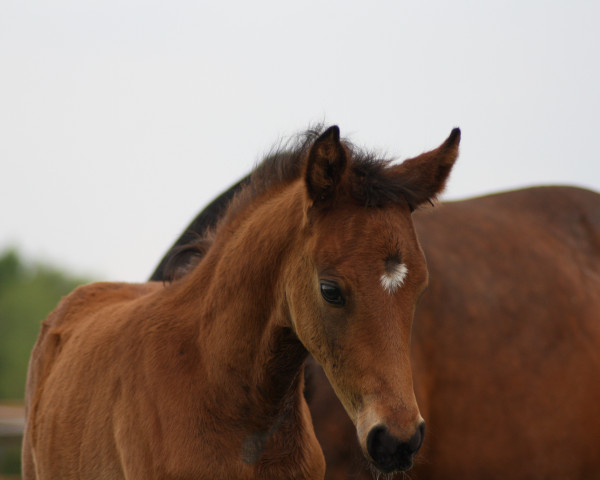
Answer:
(506, 342)
(202, 378)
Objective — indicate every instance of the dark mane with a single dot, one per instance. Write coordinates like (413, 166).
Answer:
(369, 182)
(281, 166)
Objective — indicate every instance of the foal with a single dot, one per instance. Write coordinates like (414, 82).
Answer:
(203, 378)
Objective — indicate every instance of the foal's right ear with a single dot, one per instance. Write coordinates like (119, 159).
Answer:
(325, 166)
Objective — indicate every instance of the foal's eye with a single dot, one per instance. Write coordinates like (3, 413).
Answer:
(332, 294)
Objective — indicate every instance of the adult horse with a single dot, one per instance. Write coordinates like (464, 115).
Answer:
(202, 378)
(505, 341)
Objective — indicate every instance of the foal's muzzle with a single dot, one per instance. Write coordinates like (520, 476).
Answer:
(389, 454)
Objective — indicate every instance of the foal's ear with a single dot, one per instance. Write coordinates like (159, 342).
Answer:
(424, 177)
(325, 166)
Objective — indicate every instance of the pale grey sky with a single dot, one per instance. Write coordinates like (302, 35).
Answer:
(120, 119)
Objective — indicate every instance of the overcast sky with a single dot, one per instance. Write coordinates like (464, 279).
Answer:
(120, 119)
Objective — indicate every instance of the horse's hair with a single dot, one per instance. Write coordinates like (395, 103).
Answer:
(369, 182)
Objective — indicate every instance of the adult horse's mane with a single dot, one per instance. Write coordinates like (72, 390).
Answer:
(368, 183)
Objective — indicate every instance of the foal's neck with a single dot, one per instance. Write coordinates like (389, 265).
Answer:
(246, 339)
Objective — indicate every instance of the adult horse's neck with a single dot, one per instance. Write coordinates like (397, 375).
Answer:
(252, 359)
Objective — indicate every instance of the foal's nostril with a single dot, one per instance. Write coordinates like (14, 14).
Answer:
(388, 453)
(381, 445)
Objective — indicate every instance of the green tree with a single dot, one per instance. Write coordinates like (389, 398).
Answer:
(28, 293)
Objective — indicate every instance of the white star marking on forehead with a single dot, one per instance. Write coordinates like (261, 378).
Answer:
(393, 277)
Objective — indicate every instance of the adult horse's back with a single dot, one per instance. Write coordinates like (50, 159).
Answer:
(506, 342)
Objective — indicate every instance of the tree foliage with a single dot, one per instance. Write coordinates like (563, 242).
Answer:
(28, 293)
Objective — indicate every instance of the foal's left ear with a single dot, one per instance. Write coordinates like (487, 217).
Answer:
(325, 166)
(424, 177)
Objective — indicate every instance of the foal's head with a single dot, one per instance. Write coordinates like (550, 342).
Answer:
(353, 285)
